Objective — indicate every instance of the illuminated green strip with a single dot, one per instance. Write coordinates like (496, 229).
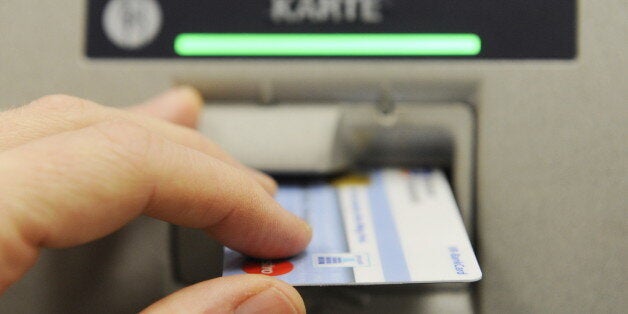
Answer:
(268, 45)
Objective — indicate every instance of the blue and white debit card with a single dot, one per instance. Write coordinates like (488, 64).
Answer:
(390, 226)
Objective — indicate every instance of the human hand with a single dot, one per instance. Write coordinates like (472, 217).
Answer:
(72, 171)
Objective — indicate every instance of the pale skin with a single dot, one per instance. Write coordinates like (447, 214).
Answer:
(73, 171)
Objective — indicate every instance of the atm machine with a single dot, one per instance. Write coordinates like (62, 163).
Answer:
(522, 103)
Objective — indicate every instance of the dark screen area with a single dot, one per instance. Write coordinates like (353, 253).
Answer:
(514, 29)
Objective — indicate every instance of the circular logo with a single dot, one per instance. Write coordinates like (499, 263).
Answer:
(269, 268)
(131, 24)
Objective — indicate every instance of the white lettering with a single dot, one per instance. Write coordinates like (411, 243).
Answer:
(322, 11)
(372, 12)
(351, 10)
(333, 9)
(267, 268)
(280, 9)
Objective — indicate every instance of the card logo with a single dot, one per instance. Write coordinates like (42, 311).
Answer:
(454, 254)
(267, 267)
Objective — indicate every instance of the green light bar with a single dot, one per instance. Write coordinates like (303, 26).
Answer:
(325, 45)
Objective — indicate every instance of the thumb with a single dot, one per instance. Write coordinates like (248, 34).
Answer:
(233, 294)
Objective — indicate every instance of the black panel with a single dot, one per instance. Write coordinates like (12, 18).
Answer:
(514, 29)
(195, 256)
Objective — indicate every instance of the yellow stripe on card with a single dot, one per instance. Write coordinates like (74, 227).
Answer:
(352, 179)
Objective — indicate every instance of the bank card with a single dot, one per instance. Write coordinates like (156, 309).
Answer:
(387, 226)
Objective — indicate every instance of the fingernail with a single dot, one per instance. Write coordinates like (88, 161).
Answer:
(180, 105)
(270, 300)
(308, 229)
(192, 92)
(269, 184)
(189, 94)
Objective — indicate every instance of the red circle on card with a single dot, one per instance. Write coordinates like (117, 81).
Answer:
(268, 268)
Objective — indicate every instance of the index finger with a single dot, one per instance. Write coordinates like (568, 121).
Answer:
(59, 113)
(77, 186)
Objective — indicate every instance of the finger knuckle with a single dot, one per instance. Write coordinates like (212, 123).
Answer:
(63, 103)
(131, 142)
